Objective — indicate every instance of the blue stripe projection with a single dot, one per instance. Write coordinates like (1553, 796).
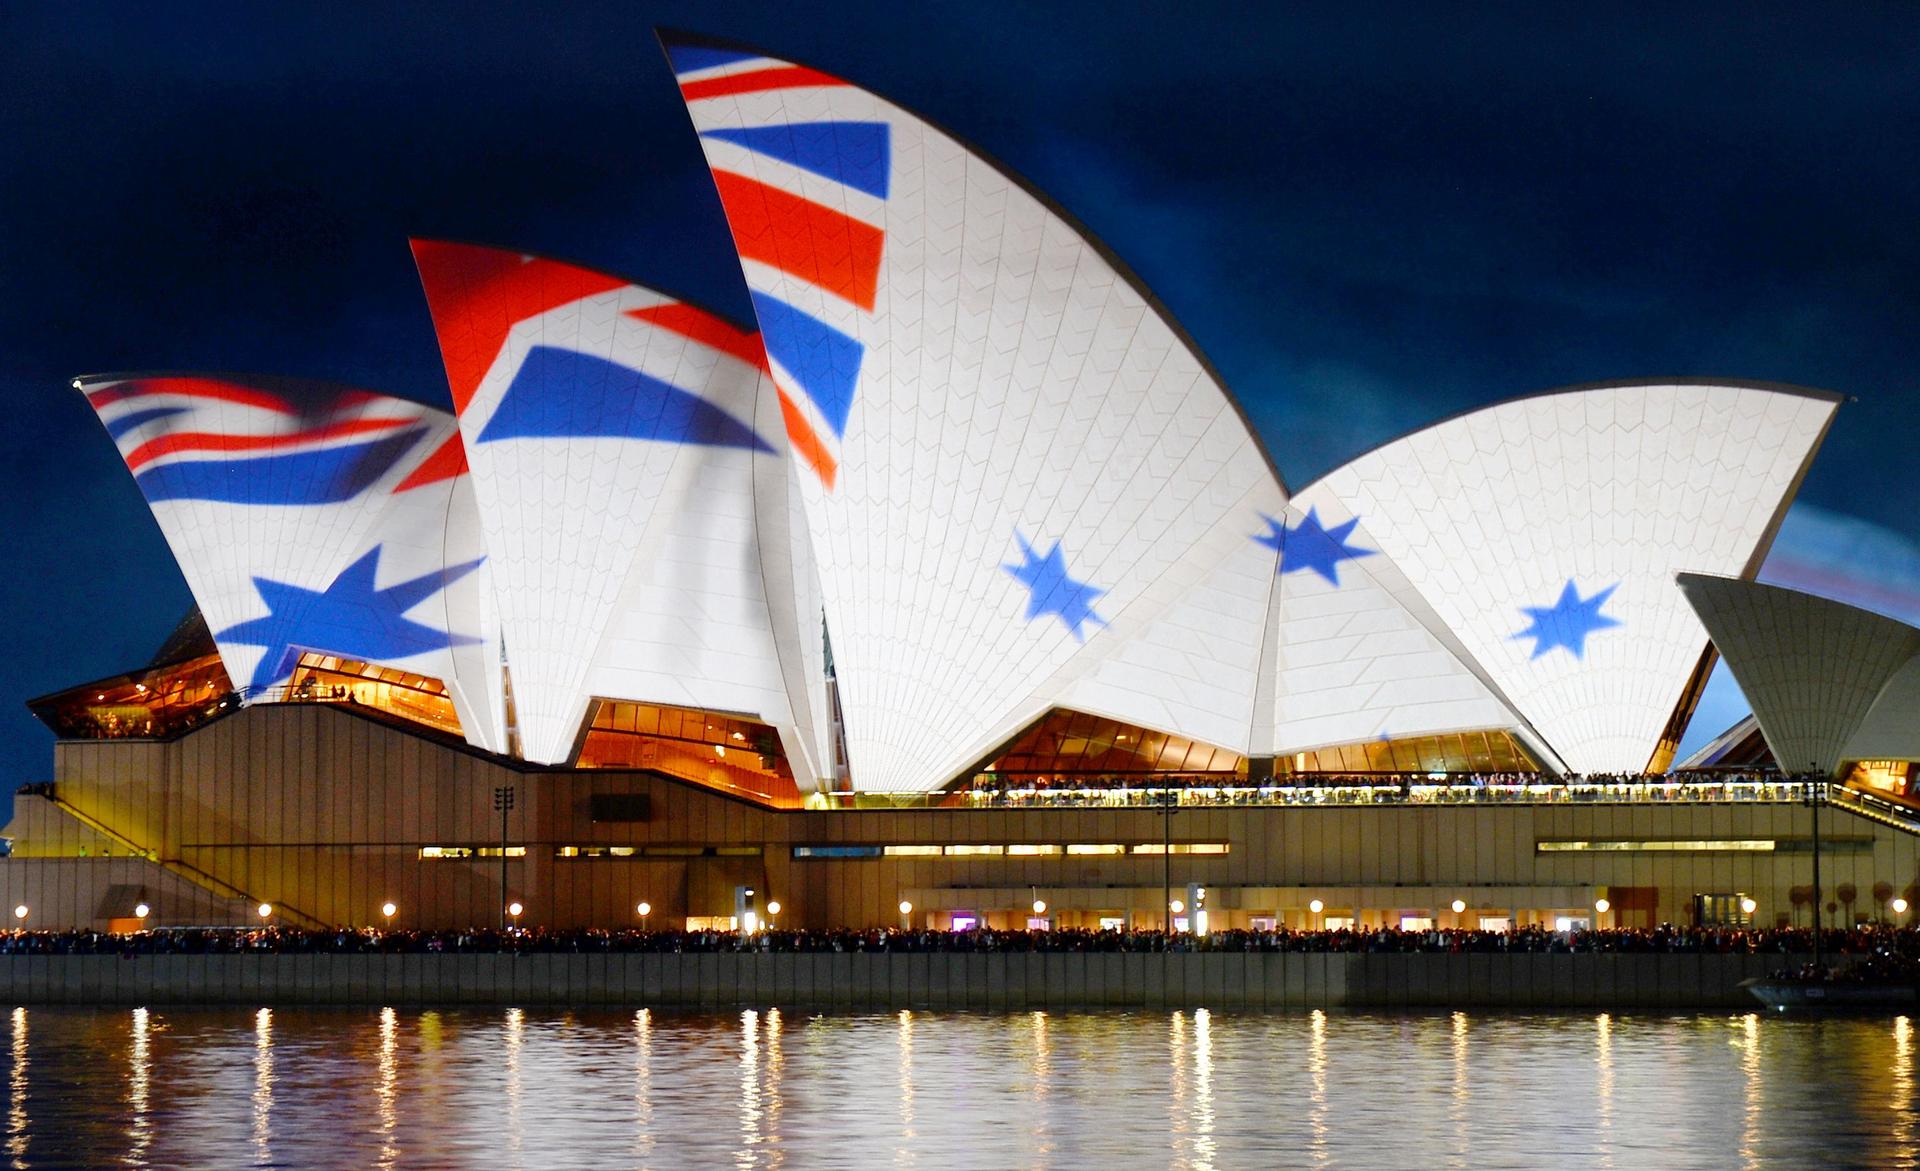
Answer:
(826, 361)
(126, 423)
(561, 394)
(687, 58)
(858, 154)
(328, 476)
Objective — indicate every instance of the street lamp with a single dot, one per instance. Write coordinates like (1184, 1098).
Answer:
(514, 909)
(1748, 906)
(141, 910)
(1316, 906)
(388, 911)
(1899, 906)
(645, 909)
(503, 804)
(20, 912)
(1459, 906)
(1602, 906)
(1039, 906)
(906, 909)
(773, 908)
(264, 910)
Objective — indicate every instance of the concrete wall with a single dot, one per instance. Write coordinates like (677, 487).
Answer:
(946, 980)
(323, 810)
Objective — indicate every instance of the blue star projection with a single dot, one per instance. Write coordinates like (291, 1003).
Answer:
(350, 618)
(1053, 591)
(1567, 622)
(1311, 545)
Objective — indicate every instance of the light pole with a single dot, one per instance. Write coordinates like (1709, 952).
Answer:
(906, 913)
(645, 909)
(503, 804)
(1819, 907)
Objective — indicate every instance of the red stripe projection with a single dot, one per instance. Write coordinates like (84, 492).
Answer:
(806, 442)
(153, 449)
(809, 240)
(476, 295)
(759, 80)
(706, 329)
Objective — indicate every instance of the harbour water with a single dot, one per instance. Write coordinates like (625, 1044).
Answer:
(767, 1088)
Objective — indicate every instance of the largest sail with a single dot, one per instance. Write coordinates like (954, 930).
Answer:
(1027, 489)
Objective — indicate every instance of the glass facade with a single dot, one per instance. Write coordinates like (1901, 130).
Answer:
(418, 699)
(1454, 752)
(726, 752)
(1066, 745)
(153, 704)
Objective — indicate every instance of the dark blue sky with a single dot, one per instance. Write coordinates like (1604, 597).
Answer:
(1367, 222)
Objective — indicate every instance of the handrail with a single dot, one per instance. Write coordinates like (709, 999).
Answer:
(176, 866)
(1874, 808)
(1205, 794)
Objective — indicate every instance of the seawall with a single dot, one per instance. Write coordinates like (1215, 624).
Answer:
(886, 981)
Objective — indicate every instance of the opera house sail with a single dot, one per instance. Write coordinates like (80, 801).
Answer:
(313, 518)
(1026, 488)
(630, 464)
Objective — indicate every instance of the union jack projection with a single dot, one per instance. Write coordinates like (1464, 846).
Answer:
(315, 518)
(628, 457)
(805, 201)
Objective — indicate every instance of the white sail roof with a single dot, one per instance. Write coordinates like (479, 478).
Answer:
(631, 469)
(1544, 533)
(311, 517)
(1014, 452)
(1828, 682)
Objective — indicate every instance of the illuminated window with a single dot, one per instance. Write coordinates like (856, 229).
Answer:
(449, 852)
(912, 851)
(1032, 851)
(1096, 848)
(1157, 848)
(845, 851)
(964, 851)
(1684, 846)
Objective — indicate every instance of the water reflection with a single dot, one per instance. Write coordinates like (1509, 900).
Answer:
(1901, 1083)
(263, 1086)
(1203, 1144)
(17, 1088)
(1603, 1086)
(1317, 1094)
(643, 1084)
(1750, 1098)
(387, 1092)
(139, 1078)
(762, 1088)
(903, 1154)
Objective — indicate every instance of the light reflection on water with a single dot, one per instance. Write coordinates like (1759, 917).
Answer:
(773, 1088)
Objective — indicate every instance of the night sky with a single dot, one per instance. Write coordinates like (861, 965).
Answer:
(1367, 223)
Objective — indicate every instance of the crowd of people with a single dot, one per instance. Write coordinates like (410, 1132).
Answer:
(1862, 940)
(1374, 789)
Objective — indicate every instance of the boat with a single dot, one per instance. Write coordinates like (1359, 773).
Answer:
(1879, 981)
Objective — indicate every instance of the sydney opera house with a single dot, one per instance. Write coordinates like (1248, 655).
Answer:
(955, 588)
